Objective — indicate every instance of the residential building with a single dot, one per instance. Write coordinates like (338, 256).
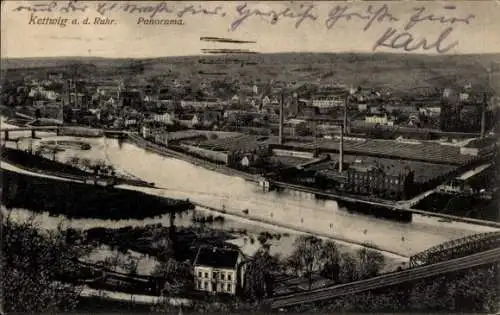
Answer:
(266, 101)
(166, 118)
(379, 119)
(327, 101)
(295, 127)
(363, 107)
(209, 103)
(219, 270)
(188, 120)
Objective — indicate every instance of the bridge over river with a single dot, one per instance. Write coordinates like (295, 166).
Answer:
(390, 279)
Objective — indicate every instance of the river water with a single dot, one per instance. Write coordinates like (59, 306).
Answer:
(180, 179)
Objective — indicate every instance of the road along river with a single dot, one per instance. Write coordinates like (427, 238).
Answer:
(183, 180)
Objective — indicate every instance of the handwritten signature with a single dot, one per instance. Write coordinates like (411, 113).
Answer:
(392, 38)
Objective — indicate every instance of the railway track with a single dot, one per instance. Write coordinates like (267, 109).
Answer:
(483, 258)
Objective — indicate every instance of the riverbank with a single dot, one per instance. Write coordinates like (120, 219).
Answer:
(78, 200)
(37, 163)
(290, 227)
(164, 151)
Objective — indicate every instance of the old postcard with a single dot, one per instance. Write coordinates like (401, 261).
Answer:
(250, 156)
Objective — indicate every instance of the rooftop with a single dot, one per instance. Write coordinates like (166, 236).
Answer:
(216, 257)
(480, 143)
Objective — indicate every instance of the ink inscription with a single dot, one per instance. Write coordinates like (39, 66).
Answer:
(402, 32)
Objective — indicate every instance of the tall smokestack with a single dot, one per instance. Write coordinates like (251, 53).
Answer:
(345, 114)
(343, 129)
(68, 91)
(282, 100)
(341, 150)
(483, 116)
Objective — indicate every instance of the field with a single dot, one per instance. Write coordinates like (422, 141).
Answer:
(401, 73)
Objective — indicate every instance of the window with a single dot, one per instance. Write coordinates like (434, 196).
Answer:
(199, 274)
(396, 181)
(205, 285)
(229, 287)
(229, 276)
(214, 275)
(222, 276)
(206, 275)
(199, 284)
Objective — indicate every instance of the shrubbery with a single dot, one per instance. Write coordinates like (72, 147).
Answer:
(33, 265)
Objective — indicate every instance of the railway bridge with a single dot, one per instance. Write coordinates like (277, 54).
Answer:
(7, 131)
(59, 130)
(457, 248)
(472, 251)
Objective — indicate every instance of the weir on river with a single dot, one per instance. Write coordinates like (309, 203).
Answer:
(179, 179)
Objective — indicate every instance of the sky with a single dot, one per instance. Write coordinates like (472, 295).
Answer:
(128, 39)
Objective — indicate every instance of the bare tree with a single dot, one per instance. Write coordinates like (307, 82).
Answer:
(74, 161)
(368, 263)
(331, 258)
(259, 279)
(347, 272)
(306, 258)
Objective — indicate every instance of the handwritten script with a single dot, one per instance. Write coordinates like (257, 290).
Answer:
(400, 33)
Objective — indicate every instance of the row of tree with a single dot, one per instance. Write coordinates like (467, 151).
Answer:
(311, 256)
(98, 167)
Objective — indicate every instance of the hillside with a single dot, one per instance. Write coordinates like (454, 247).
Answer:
(398, 72)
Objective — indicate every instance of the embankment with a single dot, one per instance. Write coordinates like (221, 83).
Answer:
(78, 200)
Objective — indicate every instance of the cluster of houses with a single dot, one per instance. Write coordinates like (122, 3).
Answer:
(254, 104)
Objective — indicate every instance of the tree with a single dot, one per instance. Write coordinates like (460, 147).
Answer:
(259, 279)
(347, 272)
(368, 263)
(331, 257)
(74, 161)
(177, 276)
(86, 164)
(306, 258)
(33, 265)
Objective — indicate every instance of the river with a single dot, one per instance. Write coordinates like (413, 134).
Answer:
(180, 179)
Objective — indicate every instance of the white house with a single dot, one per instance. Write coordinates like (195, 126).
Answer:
(362, 107)
(378, 119)
(327, 102)
(266, 101)
(165, 118)
(218, 270)
(255, 89)
(235, 98)
(464, 96)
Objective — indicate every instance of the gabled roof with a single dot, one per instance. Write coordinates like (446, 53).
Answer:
(216, 257)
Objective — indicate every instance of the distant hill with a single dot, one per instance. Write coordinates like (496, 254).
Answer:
(398, 72)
